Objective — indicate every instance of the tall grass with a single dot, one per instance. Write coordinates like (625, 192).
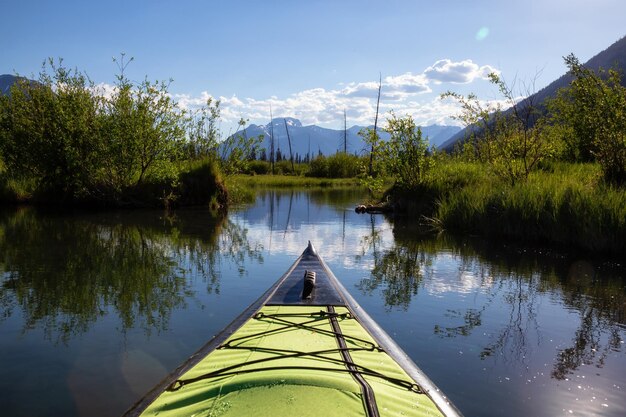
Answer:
(565, 203)
(288, 181)
(242, 188)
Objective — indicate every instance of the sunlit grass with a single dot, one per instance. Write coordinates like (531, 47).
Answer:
(288, 181)
(242, 188)
(567, 203)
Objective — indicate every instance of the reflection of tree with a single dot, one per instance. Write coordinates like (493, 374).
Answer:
(471, 318)
(587, 346)
(66, 272)
(337, 198)
(601, 305)
(521, 299)
(512, 279)
(400, 271)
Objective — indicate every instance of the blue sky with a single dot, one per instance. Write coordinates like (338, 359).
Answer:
(311, 59)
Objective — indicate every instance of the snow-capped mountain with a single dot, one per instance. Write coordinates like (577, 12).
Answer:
(314, 139)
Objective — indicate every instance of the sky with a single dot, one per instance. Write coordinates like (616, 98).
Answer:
(313, 59)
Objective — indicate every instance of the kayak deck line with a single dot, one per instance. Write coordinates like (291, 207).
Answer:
(305, 348)
(369, 400)
(343, 349)
(320, 314)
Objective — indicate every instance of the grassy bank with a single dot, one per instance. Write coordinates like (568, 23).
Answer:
(195, 183)
(563, 203)
(242, 188)
(287, 181)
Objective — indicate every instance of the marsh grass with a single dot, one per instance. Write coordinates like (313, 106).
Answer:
(564, 203)
(288, 181)
(242, 188)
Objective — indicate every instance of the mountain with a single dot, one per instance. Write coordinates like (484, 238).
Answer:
(613, 56)
(6, 81)
(314, 139)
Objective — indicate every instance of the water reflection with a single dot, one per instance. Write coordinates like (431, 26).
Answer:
(512, 283)
(283, 221)
(102, 305)
(64, 274)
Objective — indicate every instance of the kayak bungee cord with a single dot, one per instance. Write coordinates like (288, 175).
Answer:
(232, 370)
(351, 367)
(305, 325)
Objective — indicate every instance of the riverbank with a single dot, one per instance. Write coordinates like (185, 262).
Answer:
(563, 203)
(242, 188)
(195, 183)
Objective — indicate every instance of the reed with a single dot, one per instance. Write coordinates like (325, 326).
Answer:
(564, 203)
(287, 181)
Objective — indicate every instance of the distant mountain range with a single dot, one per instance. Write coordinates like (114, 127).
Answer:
(314, 139)
(614, 55)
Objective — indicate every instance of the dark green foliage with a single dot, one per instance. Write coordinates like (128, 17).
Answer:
(339, 165)
(590, 118)
(63, 140)
(201, 183)
(49, 132)
(259, 167)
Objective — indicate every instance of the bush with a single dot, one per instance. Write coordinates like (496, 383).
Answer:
(79, 145)
(590, 118)
(258, 167)
(339, 165)
(200, 183)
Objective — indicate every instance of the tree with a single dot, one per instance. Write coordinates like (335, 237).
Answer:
(238, 150)
(373, 134)
(49, 132)
(72, 142)
(203, 132)
(512, 142)
(406, 155)
(590, 116)
(144, 134)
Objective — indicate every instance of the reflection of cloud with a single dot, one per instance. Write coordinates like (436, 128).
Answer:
(326, 237)
(447, 279)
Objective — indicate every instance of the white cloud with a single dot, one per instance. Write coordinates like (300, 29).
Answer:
(462, 72)
(407, 84)
(408, 93)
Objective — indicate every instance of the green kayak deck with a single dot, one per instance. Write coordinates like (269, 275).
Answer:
(320, 356)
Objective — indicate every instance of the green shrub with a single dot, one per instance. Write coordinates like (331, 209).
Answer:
(200, 183)
(259, 167)
(339, 165)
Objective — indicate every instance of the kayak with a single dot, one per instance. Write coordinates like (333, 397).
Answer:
(304, 348)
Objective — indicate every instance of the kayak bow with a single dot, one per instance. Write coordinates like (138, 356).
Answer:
(304, 348)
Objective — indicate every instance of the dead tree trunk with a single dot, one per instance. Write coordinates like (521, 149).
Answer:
(371, 166)
(293, 168)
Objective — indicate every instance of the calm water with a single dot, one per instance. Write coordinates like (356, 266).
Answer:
(96, 308)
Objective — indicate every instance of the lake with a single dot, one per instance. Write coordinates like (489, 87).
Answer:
(97, 307)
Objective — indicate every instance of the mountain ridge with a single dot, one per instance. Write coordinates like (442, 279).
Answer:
(613, 56)
(314, 140)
